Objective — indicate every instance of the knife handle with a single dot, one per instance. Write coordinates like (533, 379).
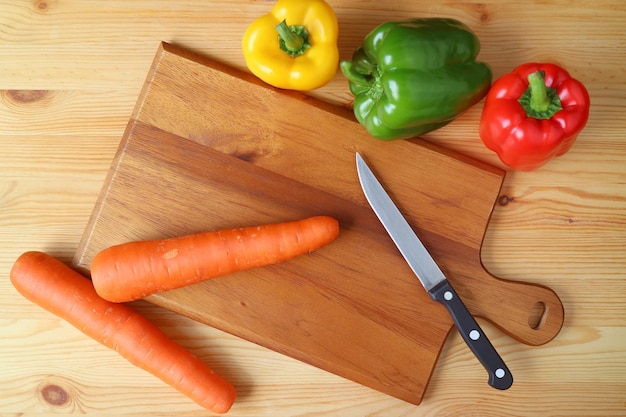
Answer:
(499, 375)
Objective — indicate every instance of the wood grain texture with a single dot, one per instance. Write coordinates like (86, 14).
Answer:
(335, 309)
(563, 226)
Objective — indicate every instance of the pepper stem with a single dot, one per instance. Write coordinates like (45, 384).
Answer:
(538, 92)
(539, 101)
(293, 40)
(348, 70)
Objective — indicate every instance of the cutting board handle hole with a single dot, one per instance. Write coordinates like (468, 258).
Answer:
(537, 316)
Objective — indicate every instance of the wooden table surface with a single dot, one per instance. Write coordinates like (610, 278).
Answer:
(70, 73)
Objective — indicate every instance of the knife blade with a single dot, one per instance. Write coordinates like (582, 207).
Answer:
(431, 276)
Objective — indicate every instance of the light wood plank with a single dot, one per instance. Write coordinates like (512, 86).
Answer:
(565, 227)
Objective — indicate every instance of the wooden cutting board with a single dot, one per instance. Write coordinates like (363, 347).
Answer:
(210, 147)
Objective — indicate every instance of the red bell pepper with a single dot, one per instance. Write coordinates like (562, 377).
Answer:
(533, 114)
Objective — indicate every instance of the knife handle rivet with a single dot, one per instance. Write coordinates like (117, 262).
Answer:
(474, 334)
(448, 295)
(500, 373)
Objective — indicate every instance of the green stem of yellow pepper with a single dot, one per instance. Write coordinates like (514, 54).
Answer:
(294, 40)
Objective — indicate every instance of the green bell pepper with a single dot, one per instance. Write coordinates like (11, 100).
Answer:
(415, 76)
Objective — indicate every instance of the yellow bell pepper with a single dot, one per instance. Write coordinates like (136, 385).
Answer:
(294, 46)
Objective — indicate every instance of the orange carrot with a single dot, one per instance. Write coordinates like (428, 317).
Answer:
(135, 270)
(64, 292)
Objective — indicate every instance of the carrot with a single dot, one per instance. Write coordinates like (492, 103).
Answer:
(137, 269)
(64, 292)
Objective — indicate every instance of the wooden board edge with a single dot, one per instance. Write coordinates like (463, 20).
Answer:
(78, 261)
(212, 62)
(345, 112)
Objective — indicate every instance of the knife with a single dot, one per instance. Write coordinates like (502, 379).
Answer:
(431, 277)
